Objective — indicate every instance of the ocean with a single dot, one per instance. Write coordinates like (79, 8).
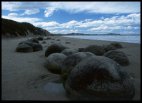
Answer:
(118, 38)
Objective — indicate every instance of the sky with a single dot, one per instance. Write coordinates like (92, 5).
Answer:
(77, 17)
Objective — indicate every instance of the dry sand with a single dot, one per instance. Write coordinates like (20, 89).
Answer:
(25, 78)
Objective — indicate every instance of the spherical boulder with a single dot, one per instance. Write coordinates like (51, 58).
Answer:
(99, 78)
(109, 47)
(34, 45)
(54, 48)
(40, 38)
(24, 42)
(68, 52)
(112, 46)
(35, 40)
(118, 56)
(97, 50)
(116, 44)
(80, 49)
(54, 61)
(71, 61)
(24, 48)
(44, 42)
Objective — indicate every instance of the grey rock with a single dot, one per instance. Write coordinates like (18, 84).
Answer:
(35, 40)
(116, 44)
(40, 38)
(118, 56)
(71, 61)
(44, 42)
(54, 48)
(97, 50)
(24, 48)
(54, 61)
(109, 47)
(68, 52)
(99, 78)
(34, 45)
(112, 46)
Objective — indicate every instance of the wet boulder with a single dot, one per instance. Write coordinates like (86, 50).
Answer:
(116, 44)
(112, 46)
(68, 52)
(118, 56)
(34, 40)
(25, 42)
(54, 61)
(34, 45)
(109, 47)
(40, 38)
(44, 42)
(24, 48)
(54, 48)
(80, 49)
(99, 78)
(71, 61)
(95, 49)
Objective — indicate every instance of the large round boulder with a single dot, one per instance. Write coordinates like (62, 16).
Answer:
(35, 40)
(97, 50)
(25, 42)
(40, 38)
(118, 56)
(24, 48)
(116, 44)
(54, 61)
(81, 49)
(71, 61)
(54, 48)
(34, 45)
(68, 52)
(109, 47)
(99, 78)
(112, 46)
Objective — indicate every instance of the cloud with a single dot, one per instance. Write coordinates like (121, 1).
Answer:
(23, 19)
(99, 7)
(63, 31)
(30, 12)
(12, 14)
(116, 23)
(75, 7)
(113, 24)
(47, 24)
(11, 6)
(127, 23)
(16, 6)
(49, 11)
(70, 24)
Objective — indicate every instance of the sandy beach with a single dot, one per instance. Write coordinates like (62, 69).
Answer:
(24, 76)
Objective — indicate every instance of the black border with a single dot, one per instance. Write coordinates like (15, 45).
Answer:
(64, 1)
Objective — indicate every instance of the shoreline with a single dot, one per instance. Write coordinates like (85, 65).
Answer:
(101, 40)
(22, 73)
(78, 37)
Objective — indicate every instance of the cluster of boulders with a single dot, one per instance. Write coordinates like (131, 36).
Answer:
(91, 73)
(30, 45)
(110, 51)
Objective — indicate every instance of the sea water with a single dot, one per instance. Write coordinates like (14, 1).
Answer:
(118, 38)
